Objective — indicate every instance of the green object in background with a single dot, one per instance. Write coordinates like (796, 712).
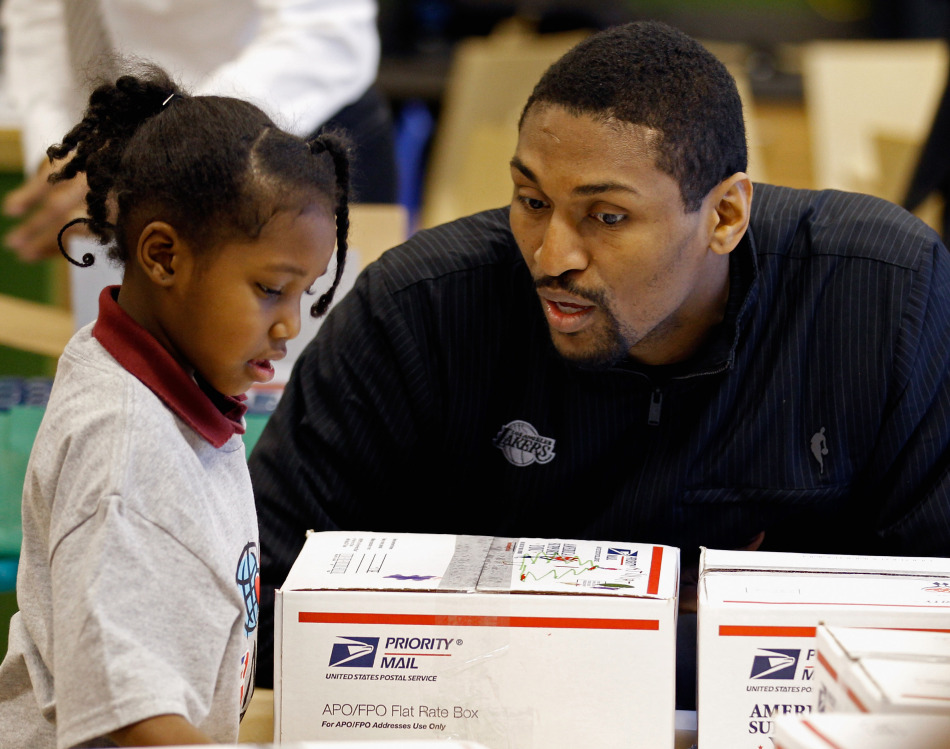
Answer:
(8, 608)
(32, 281)
(255, 425)
(18, 428)
(22, 406)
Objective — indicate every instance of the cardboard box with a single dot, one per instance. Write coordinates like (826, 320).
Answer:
(854, 731)
(881, 670)
(346, 745)
(518, 642)
(757, 617)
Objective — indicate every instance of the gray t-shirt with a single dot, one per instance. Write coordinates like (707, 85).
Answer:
(138, 582)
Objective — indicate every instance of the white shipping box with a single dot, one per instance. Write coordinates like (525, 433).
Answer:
(757, 617)
(510, 642)
(881, 670)
(854, 731)
(345, 745)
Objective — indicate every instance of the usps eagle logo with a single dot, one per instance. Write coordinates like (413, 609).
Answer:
(354, 652)
(774, 664)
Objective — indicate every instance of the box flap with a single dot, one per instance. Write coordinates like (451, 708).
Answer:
(895, 644)
(345, 560)
(719, 560)
(921, 685)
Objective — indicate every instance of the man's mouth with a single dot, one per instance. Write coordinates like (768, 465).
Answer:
(569, 308)
(567, 317)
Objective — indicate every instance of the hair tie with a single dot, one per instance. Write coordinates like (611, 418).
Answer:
(87, 259)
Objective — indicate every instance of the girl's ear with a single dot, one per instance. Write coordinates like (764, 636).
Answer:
(160, 252)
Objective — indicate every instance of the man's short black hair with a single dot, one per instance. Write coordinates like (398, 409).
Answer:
(648, 73)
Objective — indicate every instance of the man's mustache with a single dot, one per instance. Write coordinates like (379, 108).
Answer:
(560, 283)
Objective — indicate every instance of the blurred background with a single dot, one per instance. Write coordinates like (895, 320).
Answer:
(837, 93)
(768, 44)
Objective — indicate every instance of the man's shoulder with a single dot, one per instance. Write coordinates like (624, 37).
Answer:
(797, 222)
(482, 241)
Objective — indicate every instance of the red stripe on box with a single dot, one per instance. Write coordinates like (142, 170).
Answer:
(926, 697)
(911, 629)
(740, 630)
(820, 735)
(653, 584)
(854, 698)
(844, 603)
(451, 620)
(824, 662)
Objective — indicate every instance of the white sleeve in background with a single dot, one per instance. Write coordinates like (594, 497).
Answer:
(37, 75)
(308, 60)
(300, 60)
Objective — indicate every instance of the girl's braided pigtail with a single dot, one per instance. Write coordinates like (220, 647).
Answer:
(337, 149)
(95, 146)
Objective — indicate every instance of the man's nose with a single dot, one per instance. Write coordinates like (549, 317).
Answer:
(561, 249)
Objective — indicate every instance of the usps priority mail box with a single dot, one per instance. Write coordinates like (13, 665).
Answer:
(881, 670)
(510, 642)
(857, 731)
(757, 619)
(345, 745)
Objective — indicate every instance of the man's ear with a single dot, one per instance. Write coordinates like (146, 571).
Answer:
(160, 252)
(731, 201)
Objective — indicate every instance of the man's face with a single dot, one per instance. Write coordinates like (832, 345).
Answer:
(620, 267)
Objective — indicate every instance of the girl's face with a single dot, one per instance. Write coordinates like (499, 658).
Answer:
(237, 306)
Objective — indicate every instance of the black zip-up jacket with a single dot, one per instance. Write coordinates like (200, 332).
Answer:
(432, 400)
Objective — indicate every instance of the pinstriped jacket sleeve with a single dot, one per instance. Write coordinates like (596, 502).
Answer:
(910, 463)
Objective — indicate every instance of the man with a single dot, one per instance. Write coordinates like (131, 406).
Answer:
(637, 349)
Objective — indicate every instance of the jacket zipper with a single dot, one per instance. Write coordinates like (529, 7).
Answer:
(656, 405)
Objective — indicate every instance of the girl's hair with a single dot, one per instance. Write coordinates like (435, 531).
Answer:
(213, 167)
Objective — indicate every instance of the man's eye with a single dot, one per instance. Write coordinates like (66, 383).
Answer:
(532, 204)
(609, 219)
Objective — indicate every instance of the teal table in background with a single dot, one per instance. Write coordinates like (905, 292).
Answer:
(22, 404)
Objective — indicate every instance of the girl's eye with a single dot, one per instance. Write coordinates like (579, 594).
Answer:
(609, 219)
(532, 204)
(269, 291)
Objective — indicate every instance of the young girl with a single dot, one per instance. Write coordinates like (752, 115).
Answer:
(137, 585)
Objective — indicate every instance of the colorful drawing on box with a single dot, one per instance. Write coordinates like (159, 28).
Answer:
(417, 578)
(563, 566)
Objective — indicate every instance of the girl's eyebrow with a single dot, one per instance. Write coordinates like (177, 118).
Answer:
(286, 268)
